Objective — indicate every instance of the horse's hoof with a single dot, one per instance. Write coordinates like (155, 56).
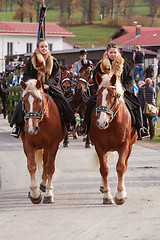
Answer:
(107, 201)
(65, 144)
(87, 145)
(35, 200)
(101, 189)
(48, 200)
(120, 201)
(75, 137)
(42, 188)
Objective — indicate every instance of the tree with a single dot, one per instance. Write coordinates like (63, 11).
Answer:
(21, 11)
(30, 11)
(154, 8)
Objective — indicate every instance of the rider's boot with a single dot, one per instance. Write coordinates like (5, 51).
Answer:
(16, 131)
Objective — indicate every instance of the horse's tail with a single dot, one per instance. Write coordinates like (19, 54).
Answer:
(110, 156)
(39, 159)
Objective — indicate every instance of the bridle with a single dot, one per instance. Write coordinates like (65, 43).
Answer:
(87, 94)
(65, 78)
(112, 111)
(35, 115)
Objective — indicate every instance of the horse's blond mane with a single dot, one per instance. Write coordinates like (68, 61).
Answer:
(31, 87)
(106, 83)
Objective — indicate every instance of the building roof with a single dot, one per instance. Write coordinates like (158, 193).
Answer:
(146, 36)
(19, 28)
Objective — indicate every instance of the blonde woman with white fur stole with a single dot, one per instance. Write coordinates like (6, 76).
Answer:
(113, 63)
(41, 65)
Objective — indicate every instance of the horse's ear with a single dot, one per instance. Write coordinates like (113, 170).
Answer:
(98, 78)
(113, 79)
(23, 85)
(38, 84)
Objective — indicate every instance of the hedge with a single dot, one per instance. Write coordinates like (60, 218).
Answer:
(13, 97)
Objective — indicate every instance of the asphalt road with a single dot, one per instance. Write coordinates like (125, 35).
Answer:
(78, 212)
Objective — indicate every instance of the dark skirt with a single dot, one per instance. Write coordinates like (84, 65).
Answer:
(66, 113)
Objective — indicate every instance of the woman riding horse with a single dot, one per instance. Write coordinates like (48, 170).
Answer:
(44, 67)
(113, 63)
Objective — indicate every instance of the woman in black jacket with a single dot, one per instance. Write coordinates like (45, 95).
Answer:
(113, 63)
(44, 67)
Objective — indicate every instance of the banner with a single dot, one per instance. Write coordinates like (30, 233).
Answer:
(41, 27)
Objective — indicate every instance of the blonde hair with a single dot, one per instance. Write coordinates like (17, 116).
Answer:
(138, 47)
(148, 81)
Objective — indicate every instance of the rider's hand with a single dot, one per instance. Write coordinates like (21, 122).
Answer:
(46, 86)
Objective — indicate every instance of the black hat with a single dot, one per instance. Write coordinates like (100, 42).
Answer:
(11, 60)
(83, 52)
(20, 59)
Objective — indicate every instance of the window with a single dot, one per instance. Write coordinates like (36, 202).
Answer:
(9, 48)
(50, 47)
(29, 48)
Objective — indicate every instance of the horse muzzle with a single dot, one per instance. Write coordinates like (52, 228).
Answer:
(102, 125)
(32, 131)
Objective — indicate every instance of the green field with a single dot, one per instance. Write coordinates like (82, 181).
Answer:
(90, 35)
(97, 34)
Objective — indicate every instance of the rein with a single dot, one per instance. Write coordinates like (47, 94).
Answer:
(108, 110)
(39, 115)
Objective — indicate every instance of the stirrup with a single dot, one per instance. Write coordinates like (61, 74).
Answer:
(143, 132)
(16, 132)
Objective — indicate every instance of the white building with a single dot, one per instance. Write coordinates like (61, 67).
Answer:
(20, 38)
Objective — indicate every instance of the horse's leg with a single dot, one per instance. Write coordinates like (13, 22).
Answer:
(44, 174)
(50, 169)
(75, 133)
(34, 194)
(88, 143)
(4, 104)
(104, 171)
(121, 168)
(66, 141)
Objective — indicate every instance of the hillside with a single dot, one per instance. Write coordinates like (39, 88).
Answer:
(99, 33)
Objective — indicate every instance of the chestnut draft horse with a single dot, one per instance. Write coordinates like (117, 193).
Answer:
(111, 130)
(68, 88)
(83, 90)
(66, 80)
(41, 139)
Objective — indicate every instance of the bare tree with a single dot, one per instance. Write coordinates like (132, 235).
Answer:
(154, 8)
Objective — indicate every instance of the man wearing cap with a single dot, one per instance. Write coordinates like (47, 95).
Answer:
(20, 66)
(78, 64)
(10, 68)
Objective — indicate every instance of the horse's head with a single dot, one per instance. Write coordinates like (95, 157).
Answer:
(66, 79)
(83, 77)
(108, 99)
(33, 102)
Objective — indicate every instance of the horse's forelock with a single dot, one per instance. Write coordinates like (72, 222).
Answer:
(31, 87)
(107, 83)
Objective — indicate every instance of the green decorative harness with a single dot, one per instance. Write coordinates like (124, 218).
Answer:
(108, 110)
(39, 115)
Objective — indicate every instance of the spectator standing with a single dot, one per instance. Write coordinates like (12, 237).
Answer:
(149, 98)
(156, 89)
(138, 58)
